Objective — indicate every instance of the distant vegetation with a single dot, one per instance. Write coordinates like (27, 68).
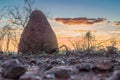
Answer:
(88, 44)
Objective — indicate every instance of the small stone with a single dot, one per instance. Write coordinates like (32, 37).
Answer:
(32, 61)
(1, 56)
(48, 67)
(39, 62)
(62, 75)
(12, 69)
(54, 62)
(33, 69)
(73, 61)
(115, 76)
(57, 61)
(13, 56)
(102, 67)
(29, 76)
(70, 69)
(83, 67)
(116, 73)
(10, 62)
(49, 76)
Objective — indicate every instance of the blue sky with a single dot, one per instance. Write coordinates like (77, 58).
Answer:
(109, 9)
(84, 8)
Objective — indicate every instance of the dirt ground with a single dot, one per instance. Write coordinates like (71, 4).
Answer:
(81, 67)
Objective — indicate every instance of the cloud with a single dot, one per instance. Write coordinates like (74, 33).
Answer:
(115, 32)
(79, 21)
(7, 21)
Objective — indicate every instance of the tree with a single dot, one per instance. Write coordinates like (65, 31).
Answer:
(13, 17)
(18, 16)
(76, 44)
(4, 31)
(88, 37)
(29, 4)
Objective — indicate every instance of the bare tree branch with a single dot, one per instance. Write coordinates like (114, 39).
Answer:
(18, 16)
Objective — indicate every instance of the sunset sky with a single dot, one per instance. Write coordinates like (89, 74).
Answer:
(71, 18)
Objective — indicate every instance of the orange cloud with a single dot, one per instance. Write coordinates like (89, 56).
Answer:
(79, 21)
(8, 21)
(80, 30)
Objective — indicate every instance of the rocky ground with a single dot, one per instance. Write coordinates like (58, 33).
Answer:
(59, 67)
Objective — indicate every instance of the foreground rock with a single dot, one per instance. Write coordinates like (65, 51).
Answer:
(12, 69)
(62, 75)
(60, 72)
(29, 76)
(102, 67)
(115, 76)
(85, 67)
(38, 35)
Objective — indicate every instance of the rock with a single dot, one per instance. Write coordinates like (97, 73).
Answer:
(49, 76)
(83, 67)
(111, 50)
(33, 61)
(1, 56)
(12, 69)
(33, 69)
(38, 35)
(0, 70)
(39, 62)
(70, 69)
(14, 56)
(57, 61)
(62, 75)
(115, 76)
(10, 62)
(73, 61)
(48, 67)
(117, 67)
(102, 67)
(111, 78)
(1, 52)
(54, 62)
(29, 76)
